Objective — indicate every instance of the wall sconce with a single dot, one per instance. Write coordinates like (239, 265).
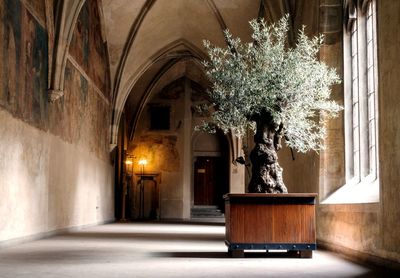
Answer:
(142, 162)
(129, 162)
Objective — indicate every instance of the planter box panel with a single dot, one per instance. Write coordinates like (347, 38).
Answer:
(270, 221)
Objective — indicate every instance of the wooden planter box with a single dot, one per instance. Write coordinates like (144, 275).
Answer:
(270, 222)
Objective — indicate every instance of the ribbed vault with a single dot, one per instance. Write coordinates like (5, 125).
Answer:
(146, 38)
(163, 36)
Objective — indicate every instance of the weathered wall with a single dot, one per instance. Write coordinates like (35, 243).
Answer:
(389, 125)
(164, 150)
(301, 174)
(48, 184)
(88, 47)
(54, 162)
(371, 231)
(23, 52)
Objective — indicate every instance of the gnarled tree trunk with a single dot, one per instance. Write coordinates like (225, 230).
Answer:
(266, 172)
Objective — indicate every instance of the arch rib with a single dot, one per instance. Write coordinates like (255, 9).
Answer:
(165, 53)
(67, 15)
(128, 44)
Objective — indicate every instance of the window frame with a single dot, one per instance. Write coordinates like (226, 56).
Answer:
(361, 140)
(360, 72)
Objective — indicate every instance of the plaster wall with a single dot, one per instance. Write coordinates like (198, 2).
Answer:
(301, 174)
(55, 172)
(350, 228)
(48, 184)
(165, 152)
(237, 179)
(238, 175)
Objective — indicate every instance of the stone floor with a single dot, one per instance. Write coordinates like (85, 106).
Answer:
(162, 250)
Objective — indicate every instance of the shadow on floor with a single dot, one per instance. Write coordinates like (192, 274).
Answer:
(219, 255)
(197, 222)
(379, 273)
(134, 236)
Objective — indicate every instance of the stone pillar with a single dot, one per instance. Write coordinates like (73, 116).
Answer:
(187, 151)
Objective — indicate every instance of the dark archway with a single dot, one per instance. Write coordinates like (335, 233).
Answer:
(210, 169)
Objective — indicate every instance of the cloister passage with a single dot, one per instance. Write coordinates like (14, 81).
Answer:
(154, 249)
(103, 174)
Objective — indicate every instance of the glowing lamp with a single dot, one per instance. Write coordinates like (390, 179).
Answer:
(142, 162)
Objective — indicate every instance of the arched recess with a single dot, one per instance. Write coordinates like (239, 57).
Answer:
(168, 67)
(164, 60)
(120, 92)
(167, 150)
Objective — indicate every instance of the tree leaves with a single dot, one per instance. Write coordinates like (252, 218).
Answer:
(265, 75)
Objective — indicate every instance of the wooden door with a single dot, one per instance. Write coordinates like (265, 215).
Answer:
(206, 171)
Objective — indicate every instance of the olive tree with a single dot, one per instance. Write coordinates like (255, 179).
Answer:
(276, 90)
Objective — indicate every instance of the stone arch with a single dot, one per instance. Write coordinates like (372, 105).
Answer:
(156, 80)
(135, 29)
(65, 22)
(172, 53)
(66, 16)
(120, 94)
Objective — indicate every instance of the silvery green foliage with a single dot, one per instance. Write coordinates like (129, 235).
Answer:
(265, 75)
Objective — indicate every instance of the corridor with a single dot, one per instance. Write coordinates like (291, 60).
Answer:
(161, 250)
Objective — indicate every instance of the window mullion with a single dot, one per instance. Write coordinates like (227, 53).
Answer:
(363, 97)
(348, 103)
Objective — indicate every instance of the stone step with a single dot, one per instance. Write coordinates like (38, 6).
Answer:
(206, 212)
(204, 207)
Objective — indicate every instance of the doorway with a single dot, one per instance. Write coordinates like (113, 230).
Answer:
(210, 181)
(210, 172)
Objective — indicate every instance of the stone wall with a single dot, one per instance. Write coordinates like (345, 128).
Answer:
(54, 162)
(389, 125)
(164, 151)
(370, 231)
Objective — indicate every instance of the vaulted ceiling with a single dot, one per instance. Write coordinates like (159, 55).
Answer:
(153, 42)
(139, 30)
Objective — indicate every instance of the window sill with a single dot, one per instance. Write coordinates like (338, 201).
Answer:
(366, 191)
